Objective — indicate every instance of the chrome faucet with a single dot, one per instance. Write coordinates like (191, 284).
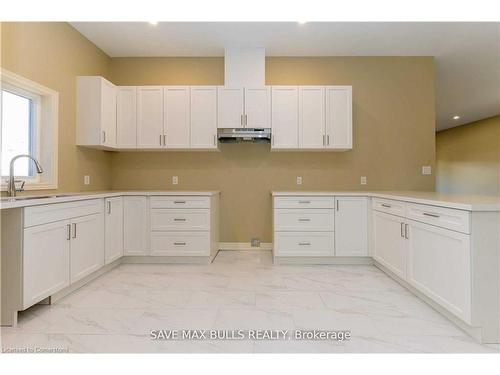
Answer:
(11, 189)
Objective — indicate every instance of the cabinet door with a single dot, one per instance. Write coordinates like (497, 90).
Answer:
(258, 107)
(113, 229)
(439, 265)
(203, 117)
(87, 246)
(150, 117)
(230, 107)
(389, 246)
(176, 116)
(351, 226)
(339, 117)
(108, 113)
(284, 117)
(45, 261)
(126, 117)
(312, 117)
(135, 226)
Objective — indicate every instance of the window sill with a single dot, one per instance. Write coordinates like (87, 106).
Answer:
(34, 186)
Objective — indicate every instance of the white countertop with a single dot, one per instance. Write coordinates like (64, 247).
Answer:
(6, 202)
(457, 201)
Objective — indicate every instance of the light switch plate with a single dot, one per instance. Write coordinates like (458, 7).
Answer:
(363, 180)
(299, 180)
(175, 180)
(426, 170)
(86, 180)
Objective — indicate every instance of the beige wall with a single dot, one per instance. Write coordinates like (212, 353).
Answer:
(468, 158)
(394, 134)
(53, 54)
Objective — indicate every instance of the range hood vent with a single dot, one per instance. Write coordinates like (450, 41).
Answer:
(235, 135)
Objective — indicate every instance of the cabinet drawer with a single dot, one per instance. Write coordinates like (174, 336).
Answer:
(180, 202)
(303, 220)
(179, 219)
(389, 206)
(49, 213)
(303, 244)
(180, 243)
(448, 218)
(304, 202)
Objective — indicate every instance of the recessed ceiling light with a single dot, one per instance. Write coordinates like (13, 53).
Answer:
(154, 23)
(456, 117)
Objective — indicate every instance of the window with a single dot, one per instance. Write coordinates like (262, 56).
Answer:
(28, 126)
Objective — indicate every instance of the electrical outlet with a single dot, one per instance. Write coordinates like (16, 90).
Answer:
(363, 180)
(175, 180)
(255, 242)
(86, 180)
(426, 170)
(299, 180)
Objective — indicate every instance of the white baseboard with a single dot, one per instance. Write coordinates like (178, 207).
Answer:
(244, 246)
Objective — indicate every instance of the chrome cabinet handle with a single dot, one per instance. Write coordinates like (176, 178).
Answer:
(241, 119)
(179, 243)
(160, 140)
(386, 205)
(164, 139)
(304, 243)
(402, 232)
(323, 139)
(246, 120)
(431, 215)
(215, 140)
(68, 232)
(74, 230)
(305, 202)
(179, 202)
(328, 139)
(109, 207)
(337, 204)
(104, 136)
(300, 219)
(179, 219)
(407, 231)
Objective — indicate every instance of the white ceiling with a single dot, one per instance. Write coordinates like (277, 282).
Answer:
(467, 54)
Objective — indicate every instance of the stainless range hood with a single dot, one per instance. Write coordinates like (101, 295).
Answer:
(234, 135)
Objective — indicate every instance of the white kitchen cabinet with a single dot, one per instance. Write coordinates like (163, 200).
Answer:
(176, 118)
(95, 112)
(339, 117)
(439, 265)
(150, 133)
(126, 117)
(312, 117)
(284, 117)
(389, 243)
(113, 228)
(203, 117)
(351, 226)
(257, 107)
(304, 244)
(230, 107)
(87, 246)
(46, 256)
(135, 225)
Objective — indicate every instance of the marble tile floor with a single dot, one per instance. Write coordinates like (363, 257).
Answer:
(239, 290)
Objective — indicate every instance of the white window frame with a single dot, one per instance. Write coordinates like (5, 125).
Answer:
(45, 132)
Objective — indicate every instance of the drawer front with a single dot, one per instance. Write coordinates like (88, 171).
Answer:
(304, 220)
(49, 213)
(448, 218)
(180, 243)
(389, 206)
(304, 202)
(179, 219)
(303, 244)
(180, 202)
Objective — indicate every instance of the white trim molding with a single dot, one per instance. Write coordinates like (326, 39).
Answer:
(47, 138)
(244, 246)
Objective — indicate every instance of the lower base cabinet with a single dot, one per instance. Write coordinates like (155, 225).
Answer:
(135, 225)
(45, 261)
(180, 243)
(351, 226)
(113, 227)
(87, 246)
(439, 265)
(304, 244)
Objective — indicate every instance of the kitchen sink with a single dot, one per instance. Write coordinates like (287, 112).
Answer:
(15, 199)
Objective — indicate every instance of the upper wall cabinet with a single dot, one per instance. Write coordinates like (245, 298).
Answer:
(150, 134)
(126, 117)
(312, 117)
(248, 107)
(203, 117)
(95, 112)
(285, 117)
(176, 118)
(339, 117)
